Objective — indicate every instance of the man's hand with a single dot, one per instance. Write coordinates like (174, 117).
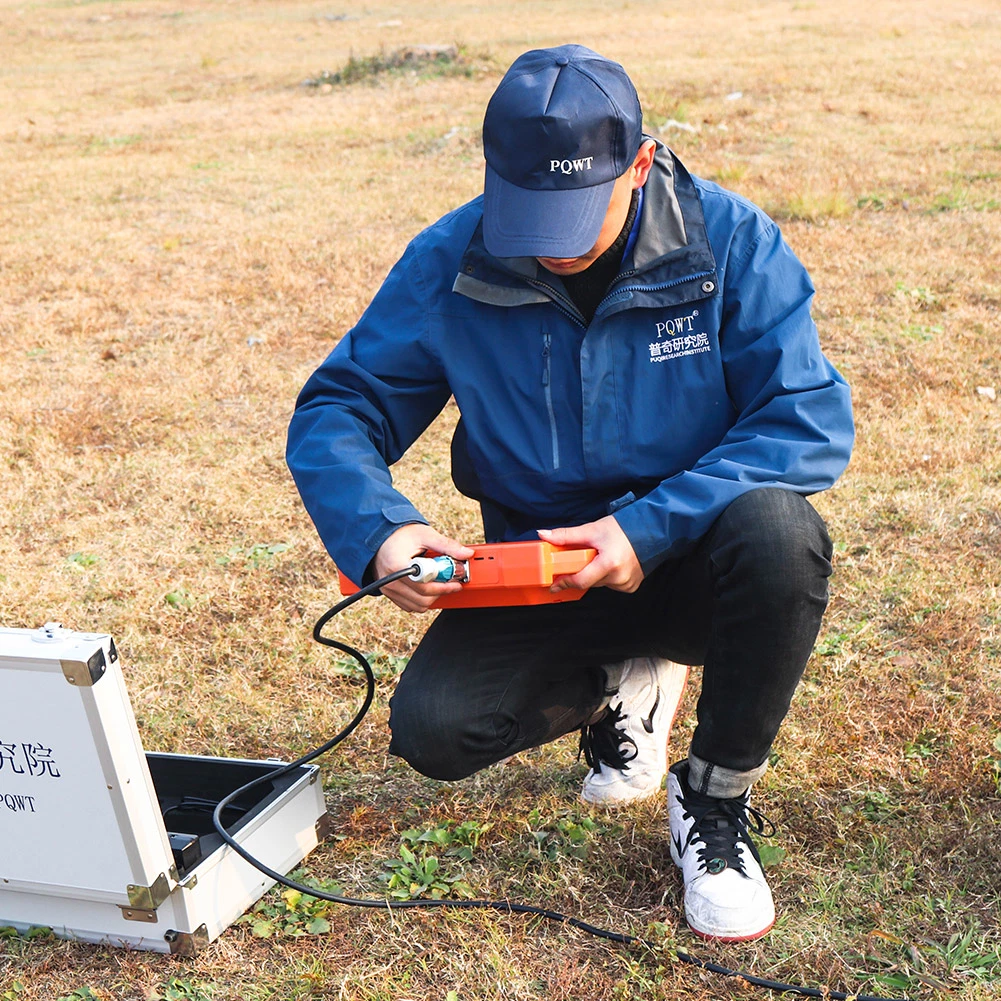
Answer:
(615, 566)
(400, 549)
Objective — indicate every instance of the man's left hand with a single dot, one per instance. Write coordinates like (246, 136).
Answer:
(615, 566)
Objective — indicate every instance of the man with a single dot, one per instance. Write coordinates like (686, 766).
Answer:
(633, 357)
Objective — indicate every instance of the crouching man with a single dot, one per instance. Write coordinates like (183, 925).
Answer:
(637, 371)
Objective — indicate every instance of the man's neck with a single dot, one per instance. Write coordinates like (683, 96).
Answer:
(588, 287)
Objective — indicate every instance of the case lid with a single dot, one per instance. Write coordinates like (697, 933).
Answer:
(78, 812)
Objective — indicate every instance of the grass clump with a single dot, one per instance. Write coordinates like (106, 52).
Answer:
(184, 989)
(419, 872)
(260, 554)
(961, 198)
(965, 956)
(291, 913)
(424, 60)
(568, 835)
(811, 206)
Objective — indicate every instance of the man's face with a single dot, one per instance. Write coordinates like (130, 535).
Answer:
(615, 217)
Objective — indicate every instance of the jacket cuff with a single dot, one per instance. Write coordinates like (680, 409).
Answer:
(357, 562)
(649, 541)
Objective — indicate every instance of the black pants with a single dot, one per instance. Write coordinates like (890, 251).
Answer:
(746, 603)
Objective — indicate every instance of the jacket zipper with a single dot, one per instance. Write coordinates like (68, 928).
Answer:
(559, 301)
(570, 310)
(548, 389)
(649, 288)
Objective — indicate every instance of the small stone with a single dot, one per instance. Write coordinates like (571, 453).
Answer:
(987, 391)
(735, 95)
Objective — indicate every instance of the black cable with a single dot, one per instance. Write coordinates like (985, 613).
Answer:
(494, 905)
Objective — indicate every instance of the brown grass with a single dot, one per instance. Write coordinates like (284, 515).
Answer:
(185, 231)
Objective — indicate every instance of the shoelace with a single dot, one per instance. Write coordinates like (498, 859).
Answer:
(721, 824)
(602, 742)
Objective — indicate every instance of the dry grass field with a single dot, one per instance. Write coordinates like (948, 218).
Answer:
(185, 232)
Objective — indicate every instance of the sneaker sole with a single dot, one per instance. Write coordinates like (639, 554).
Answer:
(710, 937)
(671, 693)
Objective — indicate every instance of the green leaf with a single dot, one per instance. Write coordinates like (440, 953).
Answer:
(81, 560)
(997, 743)
(178, 598)
(898, 981)
(262, 929)
(318, 926)
(771, 855)
(292, 898)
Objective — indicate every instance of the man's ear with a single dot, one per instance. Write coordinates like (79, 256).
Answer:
(643, 162)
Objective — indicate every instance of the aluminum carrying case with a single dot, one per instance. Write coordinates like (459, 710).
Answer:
(103, 842)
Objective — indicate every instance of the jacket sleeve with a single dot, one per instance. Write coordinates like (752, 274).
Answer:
(794, 424)
(359, 412)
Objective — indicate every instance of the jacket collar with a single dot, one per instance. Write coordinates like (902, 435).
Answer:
(672, 248)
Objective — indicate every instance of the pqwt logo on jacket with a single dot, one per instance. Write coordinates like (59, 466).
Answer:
(678, 338)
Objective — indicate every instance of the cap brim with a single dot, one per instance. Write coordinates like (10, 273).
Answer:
(518, 222)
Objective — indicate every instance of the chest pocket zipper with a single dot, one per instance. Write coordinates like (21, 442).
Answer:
(548, 390)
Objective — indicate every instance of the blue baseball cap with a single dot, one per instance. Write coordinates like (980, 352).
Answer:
(561, 126)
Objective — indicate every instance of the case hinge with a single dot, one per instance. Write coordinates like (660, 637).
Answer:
(149, 898)
(187, 944)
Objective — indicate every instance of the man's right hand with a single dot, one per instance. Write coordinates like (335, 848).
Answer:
(399, 550)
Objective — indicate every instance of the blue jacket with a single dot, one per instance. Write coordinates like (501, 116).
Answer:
(700, 377)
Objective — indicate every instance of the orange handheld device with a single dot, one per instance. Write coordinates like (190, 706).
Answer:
(510, 573)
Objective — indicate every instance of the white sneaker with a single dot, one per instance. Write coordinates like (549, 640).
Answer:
(627, 747)
(726, 896)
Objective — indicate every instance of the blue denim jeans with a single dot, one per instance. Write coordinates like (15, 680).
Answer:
(746, 603)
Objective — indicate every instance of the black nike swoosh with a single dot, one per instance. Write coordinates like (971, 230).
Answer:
(677, 844)
(648, 721)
